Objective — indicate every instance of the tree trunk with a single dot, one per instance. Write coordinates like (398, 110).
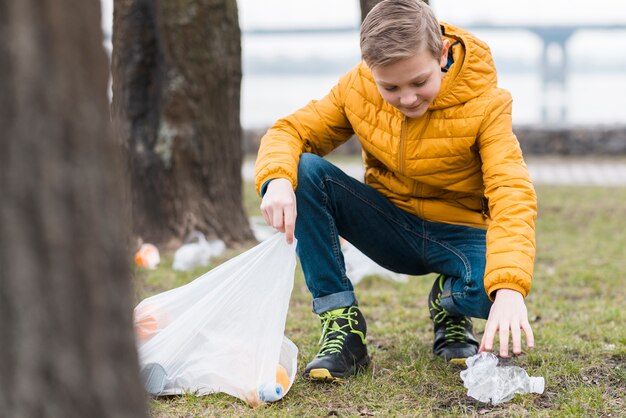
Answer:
(367, 5)
(66, 341)
(176, 94)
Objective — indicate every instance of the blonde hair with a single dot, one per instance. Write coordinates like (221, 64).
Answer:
(398, 29)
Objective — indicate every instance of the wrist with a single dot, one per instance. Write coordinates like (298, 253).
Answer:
(275, 183)
(509, 292)
(278, 181)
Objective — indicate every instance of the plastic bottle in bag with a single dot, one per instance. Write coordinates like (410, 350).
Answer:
(487, 382)
(271, 392)
(149, 320)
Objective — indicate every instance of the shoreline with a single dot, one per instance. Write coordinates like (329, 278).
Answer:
(536, 139)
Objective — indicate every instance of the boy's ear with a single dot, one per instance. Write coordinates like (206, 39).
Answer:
(444, 53)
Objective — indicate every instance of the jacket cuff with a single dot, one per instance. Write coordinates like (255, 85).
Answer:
(266, 176)
(491, 292)
(264, 187)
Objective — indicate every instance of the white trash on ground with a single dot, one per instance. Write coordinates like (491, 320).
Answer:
(358, 265)
(486, 382)
(197, 252)
(224, 331)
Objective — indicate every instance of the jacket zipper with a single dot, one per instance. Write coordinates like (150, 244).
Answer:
(401, 150)
(418, 189)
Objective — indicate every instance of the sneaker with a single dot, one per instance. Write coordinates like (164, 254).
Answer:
(343, 351)
(454, 338)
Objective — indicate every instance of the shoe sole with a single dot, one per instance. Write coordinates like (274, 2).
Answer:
(325, 375)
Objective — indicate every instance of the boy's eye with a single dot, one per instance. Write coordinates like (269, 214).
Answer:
(390, 88)
(420, 84)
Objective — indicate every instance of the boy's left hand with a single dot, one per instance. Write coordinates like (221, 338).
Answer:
(508, 312)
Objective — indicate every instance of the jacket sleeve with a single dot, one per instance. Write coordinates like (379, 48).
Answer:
(319, 127)
(512, 201)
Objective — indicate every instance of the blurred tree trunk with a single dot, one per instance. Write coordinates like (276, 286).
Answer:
(367, 5)
(176, 94)
(66, 341)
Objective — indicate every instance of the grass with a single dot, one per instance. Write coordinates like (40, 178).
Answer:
(576, 308)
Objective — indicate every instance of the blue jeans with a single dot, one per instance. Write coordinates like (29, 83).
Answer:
(331, 203)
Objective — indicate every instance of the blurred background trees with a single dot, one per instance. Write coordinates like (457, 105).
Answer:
(176, 69)
(366, 6)
(66, 341)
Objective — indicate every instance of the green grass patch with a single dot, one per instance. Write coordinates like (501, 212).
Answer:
(576, 307)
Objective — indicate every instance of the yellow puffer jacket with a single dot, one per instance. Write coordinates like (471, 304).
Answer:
(459, 163)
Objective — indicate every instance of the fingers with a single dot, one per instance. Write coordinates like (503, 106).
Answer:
(504, 340)
(516, 336)
(290, 223)
(502, 330)
(530, 338)
(266, 214)
(277, 220)
(490, 332)
(281, 217)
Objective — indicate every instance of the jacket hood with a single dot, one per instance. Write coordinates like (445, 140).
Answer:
(472, 73)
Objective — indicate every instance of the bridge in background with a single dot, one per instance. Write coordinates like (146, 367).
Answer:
(551, 36)
(554, 58)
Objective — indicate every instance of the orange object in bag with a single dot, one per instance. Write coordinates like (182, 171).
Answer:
(282, 378)
(148, 321)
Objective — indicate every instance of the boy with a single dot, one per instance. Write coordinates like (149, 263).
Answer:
(446, 188)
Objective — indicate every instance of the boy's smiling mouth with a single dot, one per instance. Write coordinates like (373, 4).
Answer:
(413, 107)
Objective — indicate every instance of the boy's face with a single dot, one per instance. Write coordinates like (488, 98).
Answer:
(412, 84)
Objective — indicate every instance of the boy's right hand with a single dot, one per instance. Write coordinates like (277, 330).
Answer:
(279, 207)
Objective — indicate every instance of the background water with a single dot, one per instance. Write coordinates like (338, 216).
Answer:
(268, 97)
(283, 73)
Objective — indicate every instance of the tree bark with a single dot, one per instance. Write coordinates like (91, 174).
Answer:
(176, 94)
(66, 342)
(367, 5)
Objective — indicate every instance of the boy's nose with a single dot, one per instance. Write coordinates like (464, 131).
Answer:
(408, 99)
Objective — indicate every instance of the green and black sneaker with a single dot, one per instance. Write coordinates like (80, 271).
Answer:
(454, 338)
(343, 351)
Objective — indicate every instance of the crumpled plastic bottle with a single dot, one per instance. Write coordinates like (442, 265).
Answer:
(487, 382)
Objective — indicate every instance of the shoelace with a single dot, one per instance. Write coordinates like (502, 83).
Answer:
(333, 338)
(455, 331)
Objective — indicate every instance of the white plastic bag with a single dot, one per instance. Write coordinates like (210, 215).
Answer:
(223, 332)
(197, 252)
